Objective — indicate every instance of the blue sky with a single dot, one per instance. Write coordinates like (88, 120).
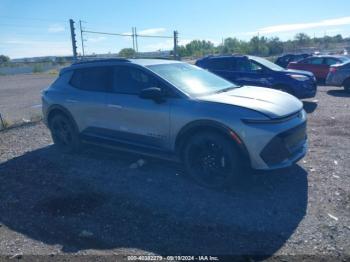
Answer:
(40, 27)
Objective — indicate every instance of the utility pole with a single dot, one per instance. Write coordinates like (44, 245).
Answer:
(136, 43)
(133, 38)
(176, 35)
(82, 39)
(223, 45)
(74, 42)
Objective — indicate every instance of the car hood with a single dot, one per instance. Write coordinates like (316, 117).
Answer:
(272, 103)
(299, 72)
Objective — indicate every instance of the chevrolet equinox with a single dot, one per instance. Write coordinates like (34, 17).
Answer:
(176, 111)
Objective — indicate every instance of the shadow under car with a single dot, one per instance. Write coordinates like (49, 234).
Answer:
(54, 198)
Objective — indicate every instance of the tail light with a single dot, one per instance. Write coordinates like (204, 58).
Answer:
(332, 69)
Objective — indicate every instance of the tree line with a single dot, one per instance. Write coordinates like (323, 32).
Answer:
(261, 45)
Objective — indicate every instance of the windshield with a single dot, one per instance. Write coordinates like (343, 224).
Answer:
(191, 79)
(344, 59)
(267, 64)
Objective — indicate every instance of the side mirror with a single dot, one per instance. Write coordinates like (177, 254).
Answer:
(153, 93)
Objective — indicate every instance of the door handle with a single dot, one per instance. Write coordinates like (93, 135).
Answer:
(115, 106)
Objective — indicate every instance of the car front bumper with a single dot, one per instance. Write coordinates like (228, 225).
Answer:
(277, 145)
(305, 89)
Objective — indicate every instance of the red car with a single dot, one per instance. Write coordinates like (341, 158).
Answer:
(319, 65)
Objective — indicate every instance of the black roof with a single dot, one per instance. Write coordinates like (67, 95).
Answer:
(99, 60)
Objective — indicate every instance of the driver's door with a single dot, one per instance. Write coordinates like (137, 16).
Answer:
(252, 73)
(132, 119)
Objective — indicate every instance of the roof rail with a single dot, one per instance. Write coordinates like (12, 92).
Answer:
(100, 60)
(153, 57)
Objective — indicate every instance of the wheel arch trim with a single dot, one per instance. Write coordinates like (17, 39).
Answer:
(62, 109)
(196, 125)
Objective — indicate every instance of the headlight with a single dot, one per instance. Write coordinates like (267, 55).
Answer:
(301, 114)
(299, 77)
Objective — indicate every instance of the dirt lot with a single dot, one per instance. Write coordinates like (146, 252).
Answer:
(20, 95)
(94, 203)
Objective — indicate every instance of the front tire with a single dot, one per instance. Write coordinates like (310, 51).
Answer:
(64, 134)
(212, 160)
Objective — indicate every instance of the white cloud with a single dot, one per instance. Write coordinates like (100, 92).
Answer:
(56, 28)
(301, 26)
(152, 31)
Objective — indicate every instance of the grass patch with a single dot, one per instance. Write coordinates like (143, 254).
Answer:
(38, 68)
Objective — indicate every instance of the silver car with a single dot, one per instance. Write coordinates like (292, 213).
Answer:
(176, 111)
(339, 75)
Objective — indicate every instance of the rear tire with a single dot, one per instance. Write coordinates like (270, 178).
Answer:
(212, 160)
(64, 134)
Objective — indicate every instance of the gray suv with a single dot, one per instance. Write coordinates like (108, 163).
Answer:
(176, 111)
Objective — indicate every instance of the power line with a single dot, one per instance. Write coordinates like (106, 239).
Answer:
(105, 33)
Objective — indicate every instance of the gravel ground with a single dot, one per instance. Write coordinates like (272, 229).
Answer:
(94, 203)
(20, 95)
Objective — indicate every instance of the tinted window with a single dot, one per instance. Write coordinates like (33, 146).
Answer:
(314, 61)
(93, 79)
(331, 61)
(220, 64)
(129, 80)
(255, 66)
(242, 65)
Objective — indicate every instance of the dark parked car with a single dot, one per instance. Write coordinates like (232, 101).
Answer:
(318, 65)
(339, 75)
(256, 71)
(284, 60)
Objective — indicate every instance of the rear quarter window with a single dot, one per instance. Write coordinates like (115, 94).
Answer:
(97, 79)
(220, 64)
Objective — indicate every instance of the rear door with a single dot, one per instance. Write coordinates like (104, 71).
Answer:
(316, 66)
(132, 119)
(87, 98)
(223, 67)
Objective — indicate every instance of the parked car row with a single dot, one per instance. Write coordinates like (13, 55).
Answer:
(256, 71)
(284, 60)
(318, 65)
(329, 69)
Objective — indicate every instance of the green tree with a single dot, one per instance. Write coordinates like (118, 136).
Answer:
(4, 59)
(275, 46)
(199, 48)
(127, 53)
(302, 39)
(258, 46)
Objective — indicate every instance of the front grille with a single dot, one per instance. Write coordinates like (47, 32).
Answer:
(285, 145)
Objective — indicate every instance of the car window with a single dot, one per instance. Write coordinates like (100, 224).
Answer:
(331, 61)
(130, 80)
(314, 61)
(98, 79)
(243, 65)
(255, 66)
(220, 64)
